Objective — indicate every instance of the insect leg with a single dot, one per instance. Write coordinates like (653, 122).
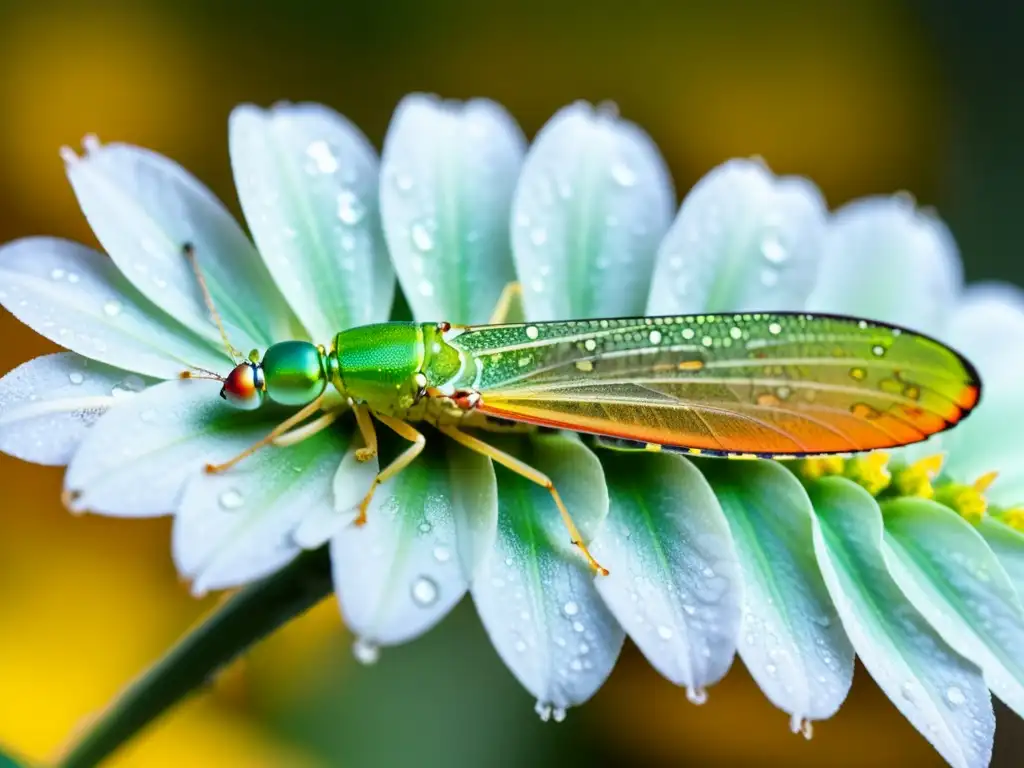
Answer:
(401, 461)
(525, 470)
(509, 293)
(365, 423)
(299, 434)
(278, 431)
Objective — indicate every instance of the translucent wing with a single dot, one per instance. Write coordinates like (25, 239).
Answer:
(765, 384)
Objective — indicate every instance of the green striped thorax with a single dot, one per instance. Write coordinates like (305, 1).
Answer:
(386, 365)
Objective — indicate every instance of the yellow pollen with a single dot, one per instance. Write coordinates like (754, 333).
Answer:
(1013, 518)
(870, 472)
(983, 483)
(821, 466)
(966, 500)
(916, 479)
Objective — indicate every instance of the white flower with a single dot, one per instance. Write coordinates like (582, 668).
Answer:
(795, 567)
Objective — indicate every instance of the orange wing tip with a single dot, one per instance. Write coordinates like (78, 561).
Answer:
(968, 397)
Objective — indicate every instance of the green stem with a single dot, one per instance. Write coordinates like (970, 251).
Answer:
(240, 621)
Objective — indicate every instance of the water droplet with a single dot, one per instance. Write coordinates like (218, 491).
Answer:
(57, 274)
(112, 308)
(623, 174)
(697, 695)
(577, 626)
(532, 332)
(442, 554)
(771, 669)
(231, 499)
(955, 696)
(571, 608)
(772, 248)
(558, 714)
(322, 156)
(350, 209)
(907, 690)
(76, 378)
(424, 591)
(425, 527)
(538, 236)
(543, 710)
(365, 651)
(72, 277)
(664, 632)
(878, 350)
(584, 649)
(403, 182)
(426, 288)
(576, 665)
(655, 337)
(421, 237)
(520, 646)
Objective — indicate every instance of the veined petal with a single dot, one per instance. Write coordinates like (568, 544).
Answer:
(951, 576)
(535, 594)
(448, 171)
(1007, 544)
(144, 208)
(886, 260)
(791, 640)
(674, 581)
(941, 693)
(307, 181)
(78, 299)
(234, 527)
(591, 205)
(401, 573)
(744, 239)
(48, 404)
(135, 460)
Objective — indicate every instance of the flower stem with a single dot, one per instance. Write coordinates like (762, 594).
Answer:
(241, 620)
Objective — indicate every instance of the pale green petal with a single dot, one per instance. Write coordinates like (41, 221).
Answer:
(401, 573)
(78, 299)
(447, 174)
(48, 404)
(951, 576)
(792, 640)
(1008, 546)
(886, 260)
(591, 205)
(144, 208)
(744, 239)
(535, 594)
(235, 527)
(941, 693)
(674, 582)
(134, 461)
(307, 181)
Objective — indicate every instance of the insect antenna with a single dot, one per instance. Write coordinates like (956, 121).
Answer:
(200, 373)
(190, 253)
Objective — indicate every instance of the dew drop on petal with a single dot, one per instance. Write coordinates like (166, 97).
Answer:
(558, 714)
(403, 182)
(538, 236)
(623, 174)
(365, 651)
(72, 277)
(425, 527)
(112, 308)
(543, 710)
(571, 608)
(442, 554)
(772, 248)
(424, 591)
(955, 696)
(421, 237)
(664, 632)
(57, 274)
(697, 695)
(231, 499)
(350, 209)
(76, 378)
(426, 288)
(322, 156)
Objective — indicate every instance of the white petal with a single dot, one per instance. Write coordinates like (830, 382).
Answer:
(744, 239)
(791, 640)
(401, 573)
(941, 693)
(946, 570)
(591, 205)
(76, 297)
(674, 581)
(885, 260)
(307, 181)
(48, 404)
(136, 459)
(143, 208)
(234, 527)
(1008, 546)
(535, 594)
(448, 170)
(986, 322)
(351, 481)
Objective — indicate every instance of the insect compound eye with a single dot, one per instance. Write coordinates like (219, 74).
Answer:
(243, 388)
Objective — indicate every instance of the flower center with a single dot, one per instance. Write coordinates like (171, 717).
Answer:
(922, 479)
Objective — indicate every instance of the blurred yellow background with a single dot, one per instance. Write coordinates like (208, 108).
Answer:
(864, 97)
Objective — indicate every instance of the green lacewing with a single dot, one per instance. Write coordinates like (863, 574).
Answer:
(738, 385)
